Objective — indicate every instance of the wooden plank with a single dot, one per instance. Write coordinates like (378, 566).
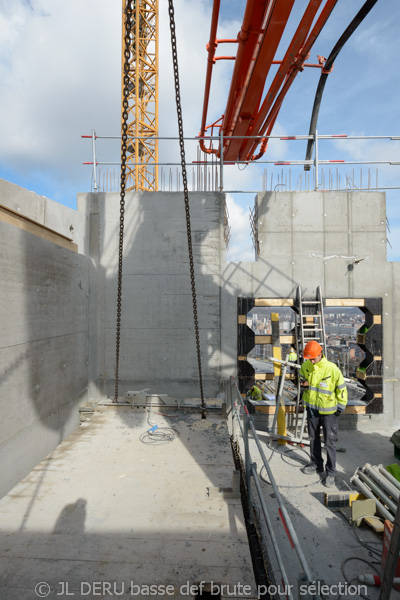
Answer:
(26, 224)
(242, 319)
(377, 319)
(263, 339)
(377, 357)
(242, 357)
(274, 301)
(270, 376)
(288, 339)
(344, 302)
(355, 410)
(267, 339)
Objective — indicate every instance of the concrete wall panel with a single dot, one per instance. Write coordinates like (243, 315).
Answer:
(368, 211)
(22, 201)
(336, 244)
(308, 210)
(273, 217)
(307, 244)
(157, 329)
(276, 245)
(369, 244)
(336, 212)
(44, 337)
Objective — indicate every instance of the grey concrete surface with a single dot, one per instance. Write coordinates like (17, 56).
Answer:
(106, 507)
(44, 307)
(157, 342)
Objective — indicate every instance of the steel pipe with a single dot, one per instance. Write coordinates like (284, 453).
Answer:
(356, 481)
(391, 489)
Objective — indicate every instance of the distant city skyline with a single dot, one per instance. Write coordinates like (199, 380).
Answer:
(341, 326)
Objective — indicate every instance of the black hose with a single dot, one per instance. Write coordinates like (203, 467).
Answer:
(360, 16)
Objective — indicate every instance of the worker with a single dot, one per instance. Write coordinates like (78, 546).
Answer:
(325, 398)
(292, 355)
(255, 393)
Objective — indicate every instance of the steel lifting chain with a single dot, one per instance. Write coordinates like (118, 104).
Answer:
(186, 196)
(125, 106)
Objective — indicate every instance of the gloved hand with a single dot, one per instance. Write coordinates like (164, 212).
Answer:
(338, 413)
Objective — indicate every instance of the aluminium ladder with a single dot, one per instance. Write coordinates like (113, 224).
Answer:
(309, 325)
(310, 322)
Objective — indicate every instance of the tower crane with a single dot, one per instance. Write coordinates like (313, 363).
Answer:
(142, 131)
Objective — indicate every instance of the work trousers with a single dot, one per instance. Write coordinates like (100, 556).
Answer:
(329, 426)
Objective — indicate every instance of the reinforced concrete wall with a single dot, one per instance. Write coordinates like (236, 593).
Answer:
(44, 305)
(158, 348)
(307, 239)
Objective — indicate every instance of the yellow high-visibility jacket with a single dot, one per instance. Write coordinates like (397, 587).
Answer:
(292, 357)
(327, 391)
(255, 393)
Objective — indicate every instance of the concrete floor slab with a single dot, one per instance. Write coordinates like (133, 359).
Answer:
(110, 507)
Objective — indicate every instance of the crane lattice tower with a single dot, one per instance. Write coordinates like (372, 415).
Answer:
(143, 95)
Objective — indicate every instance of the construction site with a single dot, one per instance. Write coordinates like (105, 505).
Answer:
(133, 461)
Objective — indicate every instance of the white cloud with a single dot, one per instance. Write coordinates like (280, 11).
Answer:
(240, 247)
(60, 77)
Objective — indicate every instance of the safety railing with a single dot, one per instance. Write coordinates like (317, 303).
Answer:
(208, 175)
(240, 424)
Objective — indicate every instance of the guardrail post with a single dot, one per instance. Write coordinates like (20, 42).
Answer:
(248, 467)
(316, 160)
(229, 405)
(94, 160)
(221, 162)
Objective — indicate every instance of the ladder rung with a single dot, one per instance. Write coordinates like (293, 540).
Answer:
(313, 329)
(316, 316)
(311, 302)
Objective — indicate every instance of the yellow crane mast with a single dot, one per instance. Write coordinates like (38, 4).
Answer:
(142, 144)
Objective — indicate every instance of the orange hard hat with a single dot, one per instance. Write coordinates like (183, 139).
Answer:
(312, 349)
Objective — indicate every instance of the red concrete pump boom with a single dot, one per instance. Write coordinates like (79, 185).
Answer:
(248, 111)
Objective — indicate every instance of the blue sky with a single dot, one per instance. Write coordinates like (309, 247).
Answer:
(60, 78)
